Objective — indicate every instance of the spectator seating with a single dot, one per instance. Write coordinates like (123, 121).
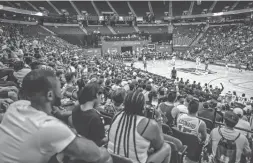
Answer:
(102, 29)
(153, 29)
(65, 29)
(177, 155)
(63, 50)
(159, 7)
(102, 6)
(121, 7)
(85, 6)
(120, 159)
(45, 5)
(64, 5)
(140, 8)
(194, 148)
(180, 7)
(124, 29)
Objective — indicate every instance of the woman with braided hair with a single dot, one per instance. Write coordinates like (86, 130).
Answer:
(132, 135)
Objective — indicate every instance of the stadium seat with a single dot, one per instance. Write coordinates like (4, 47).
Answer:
(120, 159)
(221, 114)
(209, 124)
(177, 155)
(106, 114)
(167, 129)
(194, 148)
(70, 122)
(107, 119)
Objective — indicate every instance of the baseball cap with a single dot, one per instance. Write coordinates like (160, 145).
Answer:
(231, 117)
(238, 111)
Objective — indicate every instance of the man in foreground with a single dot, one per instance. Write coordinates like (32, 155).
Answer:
(30, 134)
(227, 144)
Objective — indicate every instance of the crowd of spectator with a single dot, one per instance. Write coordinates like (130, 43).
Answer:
(59, 105)
(230, 43)
(126, 37)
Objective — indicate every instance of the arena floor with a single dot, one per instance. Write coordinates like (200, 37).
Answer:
(232, 79)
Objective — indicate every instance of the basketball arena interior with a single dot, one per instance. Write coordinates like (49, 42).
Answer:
(126, 81)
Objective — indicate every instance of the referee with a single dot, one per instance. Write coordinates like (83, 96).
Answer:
(173, 73)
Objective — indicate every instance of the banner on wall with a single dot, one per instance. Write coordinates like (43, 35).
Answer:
(95, 51)
(117, 45)
(164, 48)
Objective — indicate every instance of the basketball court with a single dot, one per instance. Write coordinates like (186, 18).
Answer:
(232, 79)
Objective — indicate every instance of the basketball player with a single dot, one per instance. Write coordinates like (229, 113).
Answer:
(132, 63)
(197, 63)
(145, 63)
(173, 60)
(226, 63)
(173, 73)
(239, 66)
(206, 64)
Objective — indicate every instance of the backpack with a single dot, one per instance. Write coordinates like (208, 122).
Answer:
(226, 150)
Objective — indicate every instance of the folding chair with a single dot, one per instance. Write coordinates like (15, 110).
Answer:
(120, 159)
(194, 148)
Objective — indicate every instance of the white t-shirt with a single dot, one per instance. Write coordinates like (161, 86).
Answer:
(179, 109)
(244, 125)
(29, 135)
(115, 87)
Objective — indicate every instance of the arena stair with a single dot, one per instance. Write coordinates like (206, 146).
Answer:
(35, 8)
(191, 8)
(111, 29)
(95, 7)
(199, 36)
(150, 7)
(212, 7)
(112, 8)
(131, 8)
(83, 29)
(11, 5)
(234, 5)
(45, 28)
(74, 6)
(54, 7)
(136, 28)
(170, 9)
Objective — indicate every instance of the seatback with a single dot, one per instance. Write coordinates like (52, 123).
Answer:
(107, 120)
(220, 114)
(174, 152)
(120, 159)
(166, 129)
(209, 124)
(194, 148)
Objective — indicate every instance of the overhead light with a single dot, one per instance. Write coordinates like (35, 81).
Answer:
(218, 14)
(39, 14)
